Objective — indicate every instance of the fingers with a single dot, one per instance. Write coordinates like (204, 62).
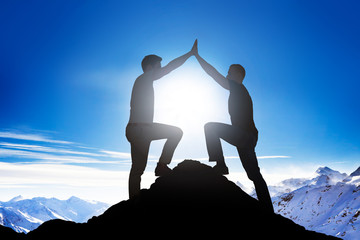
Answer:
(194, 49)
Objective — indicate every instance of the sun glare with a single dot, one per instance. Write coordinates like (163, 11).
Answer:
(188, 98)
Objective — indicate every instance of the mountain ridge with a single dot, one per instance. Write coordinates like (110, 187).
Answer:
(322, 176)
(355, 173)
(328, 203)
(191, 202)
(24, 215)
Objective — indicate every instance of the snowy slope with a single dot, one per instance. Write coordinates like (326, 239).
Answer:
(24, 215)
(322, 176)
(329, 203)
(288, 186)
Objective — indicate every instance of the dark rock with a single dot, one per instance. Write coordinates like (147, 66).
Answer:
(8, 233)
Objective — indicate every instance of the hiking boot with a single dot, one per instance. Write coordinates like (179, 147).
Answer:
(162, 169)
(221, 169)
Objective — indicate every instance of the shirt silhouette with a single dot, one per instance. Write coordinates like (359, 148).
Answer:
(141, 129)
(242, 132)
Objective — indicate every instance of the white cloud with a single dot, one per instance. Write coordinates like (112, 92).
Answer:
(31, 137)
(114, 154)
(51, 157)
(43, 169)
(259, 157)
(38, 148)
(58, 174)
(269, 157)
(55, 151)
(65, 180)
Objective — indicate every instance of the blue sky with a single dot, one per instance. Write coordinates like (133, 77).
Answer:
(68, 69)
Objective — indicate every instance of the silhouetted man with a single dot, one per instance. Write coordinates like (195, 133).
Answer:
(242, 132)
(141, 129)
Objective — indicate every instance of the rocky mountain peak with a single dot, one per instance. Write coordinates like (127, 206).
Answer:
(17, 198)
(356, 172)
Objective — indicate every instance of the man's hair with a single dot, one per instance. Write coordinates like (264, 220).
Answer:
(238, 68)
(150, 60)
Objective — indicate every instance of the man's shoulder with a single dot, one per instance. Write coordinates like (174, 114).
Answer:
(243, 89)
(145, 77)
(237, 86)
(139, 78)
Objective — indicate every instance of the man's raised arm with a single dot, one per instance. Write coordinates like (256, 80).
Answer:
(177, 62)
(212, 72)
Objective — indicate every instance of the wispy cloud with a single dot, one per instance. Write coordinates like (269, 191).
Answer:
(38, 148)
(31, 137)
(28, 148)
(114, 154)
(50, 157)
(62, 181)
(59, 150)
(269, 157)
(58, 174)
(260, 157)
(155, 158)
(42, 162)
(37, 164)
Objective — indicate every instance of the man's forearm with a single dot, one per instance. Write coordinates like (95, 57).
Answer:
(177, 62)
(212, 72)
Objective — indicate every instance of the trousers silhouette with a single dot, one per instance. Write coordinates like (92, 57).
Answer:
(140, 136)
(245, 143)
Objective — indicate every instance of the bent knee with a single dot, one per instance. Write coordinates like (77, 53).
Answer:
(178, 133)
(210, 126)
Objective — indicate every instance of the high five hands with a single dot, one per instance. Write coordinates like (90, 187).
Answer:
(194, 49)
(209, 69)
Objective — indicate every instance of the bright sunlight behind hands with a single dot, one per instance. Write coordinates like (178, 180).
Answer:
(188, 98)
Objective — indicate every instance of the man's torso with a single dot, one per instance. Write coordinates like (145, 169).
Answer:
(241, 107)
(142, 101)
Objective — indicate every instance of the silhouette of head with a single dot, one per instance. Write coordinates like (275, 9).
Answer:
(236, 73)
(151, 62)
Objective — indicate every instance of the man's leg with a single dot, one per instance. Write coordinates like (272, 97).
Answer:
(250, 163)
(173, 135)
(213, 133)
(245, 145)
(213, 130)
(139, 155)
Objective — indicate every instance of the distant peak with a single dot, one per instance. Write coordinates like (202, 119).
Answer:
(17, 198)
(356, 173)
(324, 170)
(73, 198)
(332, 176)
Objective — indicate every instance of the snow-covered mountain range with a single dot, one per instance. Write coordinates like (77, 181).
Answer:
(24, 215)
(328, 203)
